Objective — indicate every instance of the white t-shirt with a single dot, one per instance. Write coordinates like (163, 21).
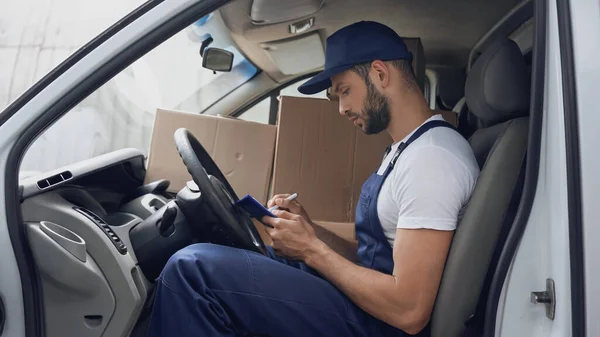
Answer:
(430, 184)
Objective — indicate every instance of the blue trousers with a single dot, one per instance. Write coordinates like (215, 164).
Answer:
(212, 290)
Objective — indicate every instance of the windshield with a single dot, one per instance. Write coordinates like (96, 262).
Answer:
(171, 76)
(120, 114)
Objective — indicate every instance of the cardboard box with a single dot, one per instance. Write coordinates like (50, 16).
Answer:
(345, 230)
(242, 150)
(323, 157)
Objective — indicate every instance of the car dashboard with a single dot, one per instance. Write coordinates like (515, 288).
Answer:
(78, 221)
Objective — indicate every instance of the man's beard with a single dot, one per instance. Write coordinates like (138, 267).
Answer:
(376, 110)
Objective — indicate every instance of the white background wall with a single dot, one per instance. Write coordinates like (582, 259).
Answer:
(36, 35)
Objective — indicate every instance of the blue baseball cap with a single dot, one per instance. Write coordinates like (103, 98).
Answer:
(360, 42)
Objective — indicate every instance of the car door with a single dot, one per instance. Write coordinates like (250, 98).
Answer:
(550, 285)
(36, 109)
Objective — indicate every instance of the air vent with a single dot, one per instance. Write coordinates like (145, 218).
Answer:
(55, 179)
(112, 236)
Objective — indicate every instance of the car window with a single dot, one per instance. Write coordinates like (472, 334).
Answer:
(120, 114)
(260, 111)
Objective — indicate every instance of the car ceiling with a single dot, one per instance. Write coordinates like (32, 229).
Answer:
(447, 29)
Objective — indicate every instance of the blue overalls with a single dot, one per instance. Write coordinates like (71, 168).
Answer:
(213, 290)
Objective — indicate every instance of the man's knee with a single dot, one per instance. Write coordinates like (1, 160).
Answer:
(201, 264)
(191, 258)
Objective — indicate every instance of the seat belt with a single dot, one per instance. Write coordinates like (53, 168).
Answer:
(475, 322)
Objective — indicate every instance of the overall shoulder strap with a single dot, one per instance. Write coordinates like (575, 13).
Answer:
(418, 133)
(426, 127)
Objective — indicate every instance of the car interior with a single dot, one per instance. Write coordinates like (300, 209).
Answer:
(100, 236)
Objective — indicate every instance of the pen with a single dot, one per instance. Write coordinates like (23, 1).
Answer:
(291, 197)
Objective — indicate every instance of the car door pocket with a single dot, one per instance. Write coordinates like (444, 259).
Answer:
(67, 239)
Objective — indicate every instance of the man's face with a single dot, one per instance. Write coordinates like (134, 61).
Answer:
(361, 102)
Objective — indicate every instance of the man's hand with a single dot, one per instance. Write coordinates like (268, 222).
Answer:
(343, 247)
(292, 206)
(293, 236)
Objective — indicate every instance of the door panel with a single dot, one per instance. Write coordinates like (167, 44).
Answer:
(543, 251)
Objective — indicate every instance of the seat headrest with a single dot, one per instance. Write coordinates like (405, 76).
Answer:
(498, 86)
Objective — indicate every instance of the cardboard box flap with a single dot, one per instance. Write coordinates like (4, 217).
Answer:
(242, 150)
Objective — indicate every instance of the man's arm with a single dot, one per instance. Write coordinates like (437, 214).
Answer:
(404, 299)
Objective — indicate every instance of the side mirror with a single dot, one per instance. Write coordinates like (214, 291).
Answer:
(217, 59)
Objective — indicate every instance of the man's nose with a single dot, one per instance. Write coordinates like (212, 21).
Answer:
(343, 109)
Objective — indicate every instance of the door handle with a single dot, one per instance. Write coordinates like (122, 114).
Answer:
(548, 298)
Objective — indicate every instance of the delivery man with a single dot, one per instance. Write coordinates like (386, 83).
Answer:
(405, 220)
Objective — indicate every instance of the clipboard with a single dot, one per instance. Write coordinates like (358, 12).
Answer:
(254, 208)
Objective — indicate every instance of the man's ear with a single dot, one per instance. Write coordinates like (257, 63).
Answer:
(381, 73)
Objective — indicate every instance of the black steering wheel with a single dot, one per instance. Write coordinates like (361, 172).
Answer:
(217, 195)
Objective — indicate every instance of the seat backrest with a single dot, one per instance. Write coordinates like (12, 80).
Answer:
(464, 118)
(497, 94)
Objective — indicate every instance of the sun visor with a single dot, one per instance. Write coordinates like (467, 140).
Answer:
(298, 55)
(265, 12)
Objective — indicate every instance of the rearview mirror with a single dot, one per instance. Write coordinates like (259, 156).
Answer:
(217, 59)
